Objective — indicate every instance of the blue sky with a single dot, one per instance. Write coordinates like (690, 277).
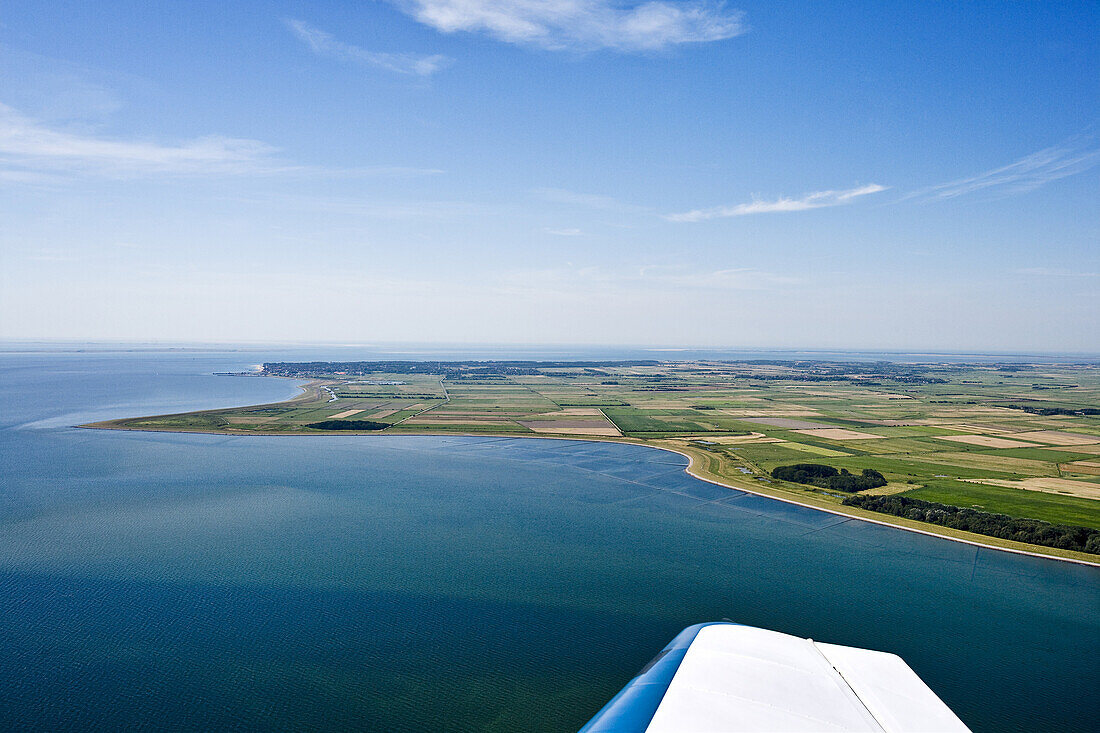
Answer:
(863, 175)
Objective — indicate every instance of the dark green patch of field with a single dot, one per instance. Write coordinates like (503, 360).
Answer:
(769, 455)
(631, 420)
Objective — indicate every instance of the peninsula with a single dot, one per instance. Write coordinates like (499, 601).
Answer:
(1005, 455)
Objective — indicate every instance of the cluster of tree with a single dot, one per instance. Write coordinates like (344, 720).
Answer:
(1033, 531)
(348, 425)
(827, 477)
(822, 371)
(856, 378)
(1054, 410)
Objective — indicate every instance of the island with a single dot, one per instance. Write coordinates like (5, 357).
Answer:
(1004, 455)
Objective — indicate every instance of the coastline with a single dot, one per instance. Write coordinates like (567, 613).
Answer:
(692, 469)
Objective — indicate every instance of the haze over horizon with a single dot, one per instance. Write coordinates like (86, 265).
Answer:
(864, 176)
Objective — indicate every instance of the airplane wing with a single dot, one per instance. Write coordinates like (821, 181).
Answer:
(725, 677)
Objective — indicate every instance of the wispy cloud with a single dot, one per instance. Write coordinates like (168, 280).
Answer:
(27, 146)
(52, 255)
(1026, 174)
(582, 24)
(36, 153)
(1054, 272)
(564, 232)
(815, 200)
(734, 278)
(324, 44)
(597, 201)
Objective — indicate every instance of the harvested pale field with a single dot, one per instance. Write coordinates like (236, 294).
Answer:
(1056, 437)
(888, 489)
(834, 393)
(815, 449)
(885, 396)
(349, 413)
(840, 434)
(594, 430)
(987, 441)
(769, 414)
(1065, 486)
(1010, 427)
(474, 416)
(428, 423)
(985, 462)
(569, 427)
(974, 412)
(786, 422)
(383, 413)
(944, 414)
(434, 417)
(1090, 467)
(973, 428)
(735, 439)
(1093, 449)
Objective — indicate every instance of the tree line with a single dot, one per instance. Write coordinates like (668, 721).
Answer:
(1047, 411)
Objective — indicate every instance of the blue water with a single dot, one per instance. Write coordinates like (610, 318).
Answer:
(197, 582)
(454, 352)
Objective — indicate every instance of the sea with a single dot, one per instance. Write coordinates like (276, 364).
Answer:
(154, 581)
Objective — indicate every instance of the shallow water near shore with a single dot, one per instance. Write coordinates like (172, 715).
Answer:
(443, 583)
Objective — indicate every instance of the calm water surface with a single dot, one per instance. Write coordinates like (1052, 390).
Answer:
(398, 583)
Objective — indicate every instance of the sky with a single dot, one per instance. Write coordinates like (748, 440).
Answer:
(736, 175)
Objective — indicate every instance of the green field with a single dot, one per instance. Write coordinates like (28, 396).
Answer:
(1014, 502)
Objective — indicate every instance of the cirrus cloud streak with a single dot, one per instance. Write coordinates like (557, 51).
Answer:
(815, 200)
(325, 44)
(26, 144)
(32, 152)
(1021, 176)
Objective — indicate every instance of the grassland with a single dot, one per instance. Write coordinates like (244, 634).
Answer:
(935, 431)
